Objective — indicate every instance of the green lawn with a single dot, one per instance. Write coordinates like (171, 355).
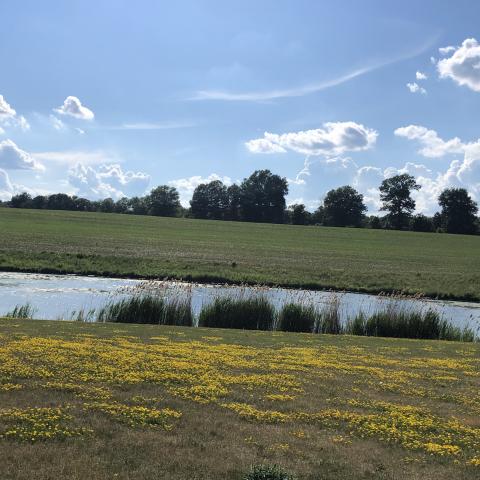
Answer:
(316, 257)
(117, 401)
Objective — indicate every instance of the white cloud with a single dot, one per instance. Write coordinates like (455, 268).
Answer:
(446, 50)
(463, 66)
(107, 181)
(263, 145)
(460, 173)
(186, 186)
(72, 157)
(415, 88)
(12, 157)
(432, 145)
(9, 118)
(2, 131)
(6, 187)
(73, 107)
(6, 111)
(420, 76)
(56, 123)
(335, 138)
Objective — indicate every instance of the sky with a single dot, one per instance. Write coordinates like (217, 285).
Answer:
(111, 98)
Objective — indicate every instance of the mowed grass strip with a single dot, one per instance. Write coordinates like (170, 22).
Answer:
(364, 260)
(125, 401)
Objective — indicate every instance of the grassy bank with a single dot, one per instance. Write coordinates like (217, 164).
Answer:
(341, 258)
(125, 401)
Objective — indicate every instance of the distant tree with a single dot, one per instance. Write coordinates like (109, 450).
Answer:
(163, 201)
(60, 201)
(40, 201)
(107, 205)
(343, 207)
(82, 204)
(374, 222)
(298, 214)
(22, 200)
(234, 202)
(122, 205)
(395, 193)
(459, 211)
(421, 223)
(137, 206)
(318, 216)
(262, 197)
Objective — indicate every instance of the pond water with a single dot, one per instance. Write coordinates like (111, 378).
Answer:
(58, 297)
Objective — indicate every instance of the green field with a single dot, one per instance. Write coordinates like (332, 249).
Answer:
(315, 257)
(109, 401)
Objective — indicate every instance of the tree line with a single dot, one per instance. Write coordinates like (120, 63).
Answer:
(261, 198)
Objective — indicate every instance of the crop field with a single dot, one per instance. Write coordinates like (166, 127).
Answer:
(102, 401)
(314, 257)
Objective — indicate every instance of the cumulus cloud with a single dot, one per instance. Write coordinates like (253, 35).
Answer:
(416, 88)
(334, 139)
(9, 117)
(460, 173)
(6, 111)
(14, 158)
(432, 145)
(463, 65)
(186, 186)
(420, 76)
(106, 181)
(446, 50)
(73, 107)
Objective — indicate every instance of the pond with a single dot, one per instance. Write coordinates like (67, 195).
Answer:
(59, 297)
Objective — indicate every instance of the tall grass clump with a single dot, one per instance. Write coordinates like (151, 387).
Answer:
(267, 472)
(22, 311)
(295, 317)
(255, 313)
(148, 309)
(328, 319)
(399, 320)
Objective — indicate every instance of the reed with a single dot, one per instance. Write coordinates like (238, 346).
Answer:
(295, 317)
(25, 311)
(255, 313)
(148, 309)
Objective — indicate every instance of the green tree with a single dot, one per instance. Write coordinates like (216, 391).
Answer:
(163, 201)
(298, 214)
(22, 200)
(421, 223)
(234, 203)
(395, 193)
(262, 197)
(210, 200)
(459, 211)
(344, 207)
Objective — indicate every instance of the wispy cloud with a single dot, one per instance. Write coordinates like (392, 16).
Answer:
(262, 96)
(151, 126)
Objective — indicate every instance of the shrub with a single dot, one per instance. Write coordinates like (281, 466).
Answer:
(267, 472)
(297, 318)
(255, 313)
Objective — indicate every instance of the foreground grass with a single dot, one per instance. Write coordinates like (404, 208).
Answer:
(107, 401)
(340, 258)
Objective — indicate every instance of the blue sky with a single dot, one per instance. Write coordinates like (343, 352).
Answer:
(111, 98)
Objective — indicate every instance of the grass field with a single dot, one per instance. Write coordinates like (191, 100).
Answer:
(315, 257)
(107, 401)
